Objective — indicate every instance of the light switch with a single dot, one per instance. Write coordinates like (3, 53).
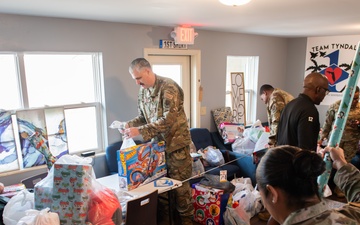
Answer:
(203, 111)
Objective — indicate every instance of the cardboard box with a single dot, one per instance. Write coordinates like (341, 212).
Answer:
(141, 164)
(12, 190)
(231, 131)
(209, 204)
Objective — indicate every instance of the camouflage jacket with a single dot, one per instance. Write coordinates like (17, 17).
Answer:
(348, 179)
(351, 133)
(277, 101)
(161, 114)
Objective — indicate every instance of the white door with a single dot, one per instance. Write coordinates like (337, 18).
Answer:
(178, 69)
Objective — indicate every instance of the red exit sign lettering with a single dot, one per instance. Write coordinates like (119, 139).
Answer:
(184, 35)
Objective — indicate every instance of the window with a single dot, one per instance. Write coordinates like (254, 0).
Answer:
(249, 66)
(57, 96)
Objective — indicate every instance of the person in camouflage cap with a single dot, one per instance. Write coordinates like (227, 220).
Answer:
(351, 134)
(287, 180)
(161, 117)
(275, 100)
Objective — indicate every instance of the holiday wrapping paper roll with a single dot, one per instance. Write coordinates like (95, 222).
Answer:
(341, 118)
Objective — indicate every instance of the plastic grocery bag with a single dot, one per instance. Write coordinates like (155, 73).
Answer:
(236, 216)
(16, 208)
(43, 217)
(104, 206)
(197, 168)
(243, 145)
(127, 143)
(213, 156)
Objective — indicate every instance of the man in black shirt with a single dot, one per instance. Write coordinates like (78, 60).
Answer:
(299, 122)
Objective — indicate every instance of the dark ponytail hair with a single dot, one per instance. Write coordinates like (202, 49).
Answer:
(293, 170)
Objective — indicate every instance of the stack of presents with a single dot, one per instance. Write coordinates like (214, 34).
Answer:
(72, 191)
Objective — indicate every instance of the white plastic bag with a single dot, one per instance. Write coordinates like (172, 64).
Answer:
(247, 196)
(16, 208)
(213, 156)
(236, 216)
(43, 217)
(243, 145)
(118, 125)
(263, 142)
(197, 168)
(127, 143)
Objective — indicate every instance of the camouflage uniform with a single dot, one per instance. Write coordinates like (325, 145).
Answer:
(277, 101)
(351, 135)
(162, 117)
(348, 179)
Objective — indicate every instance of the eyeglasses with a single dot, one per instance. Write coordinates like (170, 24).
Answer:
(326, 90)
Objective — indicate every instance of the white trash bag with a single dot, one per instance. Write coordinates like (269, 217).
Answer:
(16, 208)
(43, 217)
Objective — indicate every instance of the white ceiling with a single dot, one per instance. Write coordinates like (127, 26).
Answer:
(286, 18)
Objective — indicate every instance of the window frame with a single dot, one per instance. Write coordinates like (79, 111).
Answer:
(98, 104)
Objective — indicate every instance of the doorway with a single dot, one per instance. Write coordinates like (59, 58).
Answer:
(183, 66)
(178, 69)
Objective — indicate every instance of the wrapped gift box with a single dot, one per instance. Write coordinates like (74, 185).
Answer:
(141, 164)
(209, 204)
(43, 192)
(70, 195)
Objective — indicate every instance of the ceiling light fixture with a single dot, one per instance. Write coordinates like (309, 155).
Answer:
(234, 2)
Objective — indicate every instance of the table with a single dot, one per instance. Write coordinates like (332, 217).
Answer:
(112, 182)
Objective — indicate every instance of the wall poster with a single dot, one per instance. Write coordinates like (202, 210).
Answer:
(331, 56)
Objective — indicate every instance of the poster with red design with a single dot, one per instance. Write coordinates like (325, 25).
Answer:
(331, 56)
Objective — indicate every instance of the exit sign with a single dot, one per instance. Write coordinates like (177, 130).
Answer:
(184, 35)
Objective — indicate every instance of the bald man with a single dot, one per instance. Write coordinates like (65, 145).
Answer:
(299, 122)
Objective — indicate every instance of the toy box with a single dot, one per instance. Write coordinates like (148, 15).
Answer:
(141, 164)
(209, 204)
(231, 131)
(12, 190)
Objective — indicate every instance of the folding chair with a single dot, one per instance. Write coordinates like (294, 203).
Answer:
(31, 181)
(143, 210)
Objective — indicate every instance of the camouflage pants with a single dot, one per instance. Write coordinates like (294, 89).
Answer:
(179, 167)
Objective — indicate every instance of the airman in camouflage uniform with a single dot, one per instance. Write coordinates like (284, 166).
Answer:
(162, 117)
(275, 100)
(351, 134)
(287, 181)
(348, 179)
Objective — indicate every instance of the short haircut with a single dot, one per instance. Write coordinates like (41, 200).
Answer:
(266, 87)
(139, 63)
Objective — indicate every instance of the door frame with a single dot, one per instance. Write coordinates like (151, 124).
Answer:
(195, 76)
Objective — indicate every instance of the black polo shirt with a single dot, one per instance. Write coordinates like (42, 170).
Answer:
(299, 124)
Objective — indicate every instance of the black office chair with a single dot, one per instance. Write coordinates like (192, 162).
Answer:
(31, 181)
(143, 210)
